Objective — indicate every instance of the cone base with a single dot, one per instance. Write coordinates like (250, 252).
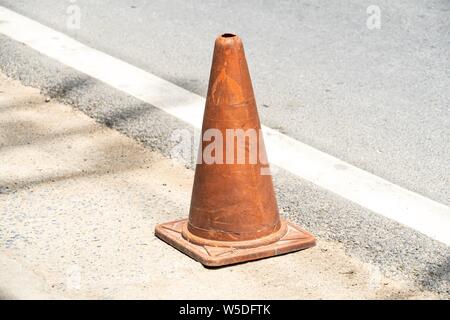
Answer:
(295, 239)
(271, 238)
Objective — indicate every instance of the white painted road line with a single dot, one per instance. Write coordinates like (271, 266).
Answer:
(383, 197)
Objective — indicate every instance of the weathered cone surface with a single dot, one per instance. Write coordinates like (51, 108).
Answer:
(234, 215)
(232, 201)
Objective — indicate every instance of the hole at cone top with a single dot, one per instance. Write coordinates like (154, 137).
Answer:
(228, 35)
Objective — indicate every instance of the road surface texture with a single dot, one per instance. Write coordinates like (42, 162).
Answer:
(79, 205)
(377, 99)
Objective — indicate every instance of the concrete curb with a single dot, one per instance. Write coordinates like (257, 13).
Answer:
(19, 283)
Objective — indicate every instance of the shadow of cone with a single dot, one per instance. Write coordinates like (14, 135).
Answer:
(234, 214)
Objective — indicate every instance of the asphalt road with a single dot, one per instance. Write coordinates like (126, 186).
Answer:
(377, 99)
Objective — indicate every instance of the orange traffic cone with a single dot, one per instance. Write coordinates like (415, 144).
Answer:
(234, 215)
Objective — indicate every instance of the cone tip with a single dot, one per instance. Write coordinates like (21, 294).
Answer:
(228, 39)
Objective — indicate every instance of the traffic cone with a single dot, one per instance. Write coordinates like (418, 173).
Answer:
(233, 215)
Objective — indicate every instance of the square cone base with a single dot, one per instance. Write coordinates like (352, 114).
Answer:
(295, 239)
